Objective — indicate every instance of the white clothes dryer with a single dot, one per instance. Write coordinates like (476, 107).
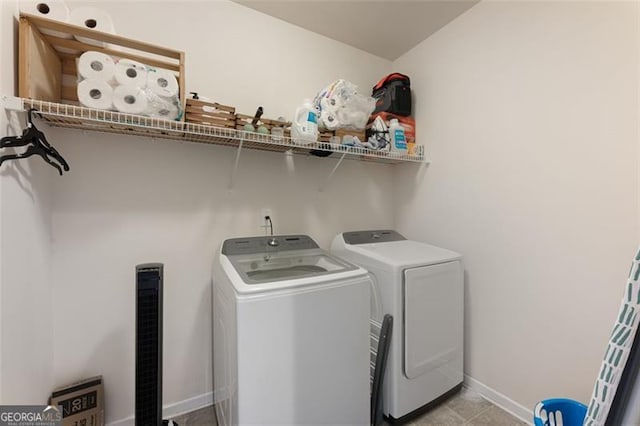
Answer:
(422, 287)
(290, 334)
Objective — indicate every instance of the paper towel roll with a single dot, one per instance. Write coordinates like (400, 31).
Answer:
(96, 94)
(130, 99)
(98, 66)
(131, 73)
(93, 19)
(50, 9)
(162, 83)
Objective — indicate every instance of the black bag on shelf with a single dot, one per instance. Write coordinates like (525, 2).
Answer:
(393, 94)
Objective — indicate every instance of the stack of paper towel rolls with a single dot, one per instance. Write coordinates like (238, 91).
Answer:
(127, 86)
(87, 17)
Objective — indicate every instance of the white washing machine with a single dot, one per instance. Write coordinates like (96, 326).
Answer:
(422, 287)
(290, 334)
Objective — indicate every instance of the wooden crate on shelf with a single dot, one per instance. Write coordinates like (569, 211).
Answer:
(210, 113)
(242, 119)
(286, 125)
(47, 68)
(275, 123)
(325, 136)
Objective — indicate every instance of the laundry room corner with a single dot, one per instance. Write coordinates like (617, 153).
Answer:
(312, 212)
(529, 112)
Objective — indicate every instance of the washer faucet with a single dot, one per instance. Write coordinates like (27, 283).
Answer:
(272, 242)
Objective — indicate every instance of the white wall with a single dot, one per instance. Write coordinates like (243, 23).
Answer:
(26, 313)
(529, 111)
(6, 15)
(130, 200)
(26, 338)
(7, 48)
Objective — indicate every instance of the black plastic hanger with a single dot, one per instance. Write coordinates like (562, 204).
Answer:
(37, 145)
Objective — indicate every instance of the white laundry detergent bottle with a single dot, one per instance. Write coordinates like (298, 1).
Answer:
(304, 128)
(396, 134)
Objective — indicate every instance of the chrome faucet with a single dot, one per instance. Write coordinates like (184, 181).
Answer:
(272, 242)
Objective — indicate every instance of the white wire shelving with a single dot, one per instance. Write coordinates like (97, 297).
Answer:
(76, 117)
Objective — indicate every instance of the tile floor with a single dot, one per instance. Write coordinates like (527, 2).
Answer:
(465, 408)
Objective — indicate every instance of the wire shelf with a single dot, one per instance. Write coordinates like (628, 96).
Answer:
(76, 117)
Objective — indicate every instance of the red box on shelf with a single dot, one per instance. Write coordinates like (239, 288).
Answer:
(407, 123)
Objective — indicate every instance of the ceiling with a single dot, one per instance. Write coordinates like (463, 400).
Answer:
(385, 28)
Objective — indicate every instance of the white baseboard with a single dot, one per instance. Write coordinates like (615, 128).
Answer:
(520, 411)
(177, 408)
(174, 409)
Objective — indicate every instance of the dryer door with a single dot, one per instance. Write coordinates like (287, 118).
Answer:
(433, 317)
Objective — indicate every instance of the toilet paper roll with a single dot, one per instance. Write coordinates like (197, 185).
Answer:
(161, 107)
(131, 73)
(329, 120)
(97, 66)
(96, 94)
(50, 9)
(93, 19)
(167, 110)
(162, 83)
(170, 113)
(330, 104)
(130, 99)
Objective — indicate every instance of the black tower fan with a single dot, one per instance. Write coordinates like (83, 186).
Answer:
(149, 278)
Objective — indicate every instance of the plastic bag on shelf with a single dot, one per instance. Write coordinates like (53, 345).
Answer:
(341, 106)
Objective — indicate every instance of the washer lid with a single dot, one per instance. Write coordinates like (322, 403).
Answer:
(266, 267)
(260, 261)
(405, 253)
